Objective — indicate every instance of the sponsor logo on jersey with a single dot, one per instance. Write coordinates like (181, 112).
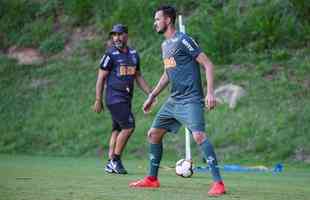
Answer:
(169, 62)
(115, 52)
(188, 45)
(127, 70)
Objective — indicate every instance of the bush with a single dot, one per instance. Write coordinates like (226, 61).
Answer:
(14, 14)
(259, 25)
(53, 44)
(80, 10)
(34, 33)
(95, 47)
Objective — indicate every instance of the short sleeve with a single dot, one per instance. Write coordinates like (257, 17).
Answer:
(138, 62)
(191, 47)
(106, 62)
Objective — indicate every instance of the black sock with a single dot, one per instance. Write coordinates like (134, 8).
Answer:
(116, 157)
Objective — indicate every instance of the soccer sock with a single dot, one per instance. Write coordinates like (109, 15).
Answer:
(210, 157)
(155, 157)
(116, 157)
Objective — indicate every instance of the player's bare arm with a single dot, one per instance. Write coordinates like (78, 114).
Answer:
(102, 75)
(204, 61)
(162, 83)
(142, 83)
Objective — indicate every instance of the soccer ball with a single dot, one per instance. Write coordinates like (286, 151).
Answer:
(183, 168)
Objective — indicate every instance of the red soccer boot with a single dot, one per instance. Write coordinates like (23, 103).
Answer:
(217, 189)
(146, 182)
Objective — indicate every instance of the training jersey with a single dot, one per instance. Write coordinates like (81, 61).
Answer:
(179, 55)
(123, 67)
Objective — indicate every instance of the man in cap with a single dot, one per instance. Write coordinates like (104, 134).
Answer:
(119, 68)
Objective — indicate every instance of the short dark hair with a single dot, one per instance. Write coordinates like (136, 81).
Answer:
(168, 11)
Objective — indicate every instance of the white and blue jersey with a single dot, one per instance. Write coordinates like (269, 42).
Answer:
(123, 67)
(179, 55)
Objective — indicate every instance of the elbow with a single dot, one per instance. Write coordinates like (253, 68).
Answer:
(208, 66)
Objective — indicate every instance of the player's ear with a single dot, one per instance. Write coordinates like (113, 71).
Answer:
(168, 20)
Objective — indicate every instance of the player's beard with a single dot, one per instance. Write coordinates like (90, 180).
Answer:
(162, 31)
(119, 44)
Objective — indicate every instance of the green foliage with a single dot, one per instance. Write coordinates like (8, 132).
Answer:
(222, 26)
(34, 33)
(260, 45)
(273, 111)
(13, 15)
(95, 48)
(80, 10)
(50, 8)
(302, 9)
(259, 25)
(53, 44)
(55, 116)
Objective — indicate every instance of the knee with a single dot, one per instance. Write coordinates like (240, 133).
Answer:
(128, 131)
(199, 137)
(153, 136)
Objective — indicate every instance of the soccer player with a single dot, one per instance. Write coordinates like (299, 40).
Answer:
(119, 68)
(185, 105)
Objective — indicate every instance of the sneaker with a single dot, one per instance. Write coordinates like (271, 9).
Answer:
(217, 189)
(146, 182)
(117, 167)
(108, 168)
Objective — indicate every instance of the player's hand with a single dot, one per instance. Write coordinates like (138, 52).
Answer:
(98, 106)
(210, 101)
(147, 106)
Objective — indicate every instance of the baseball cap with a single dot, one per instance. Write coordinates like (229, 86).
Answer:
(119, 28)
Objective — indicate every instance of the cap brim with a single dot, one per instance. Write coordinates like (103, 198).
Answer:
(117, 32)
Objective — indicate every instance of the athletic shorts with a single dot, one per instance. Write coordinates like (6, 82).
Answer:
(172, 116)
(122, 117)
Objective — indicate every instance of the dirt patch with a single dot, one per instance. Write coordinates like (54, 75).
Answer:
(301, 154)
(77, 36)
(25, 56)
(235, 67)
(306, 83)
(238, 67)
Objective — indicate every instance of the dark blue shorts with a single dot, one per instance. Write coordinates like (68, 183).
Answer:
(122, 117)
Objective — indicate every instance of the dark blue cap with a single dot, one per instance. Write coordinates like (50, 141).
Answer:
(119, 28)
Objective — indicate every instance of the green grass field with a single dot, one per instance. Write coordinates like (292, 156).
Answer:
(60, 178)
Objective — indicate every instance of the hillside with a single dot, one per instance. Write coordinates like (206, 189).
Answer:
(262, 46)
